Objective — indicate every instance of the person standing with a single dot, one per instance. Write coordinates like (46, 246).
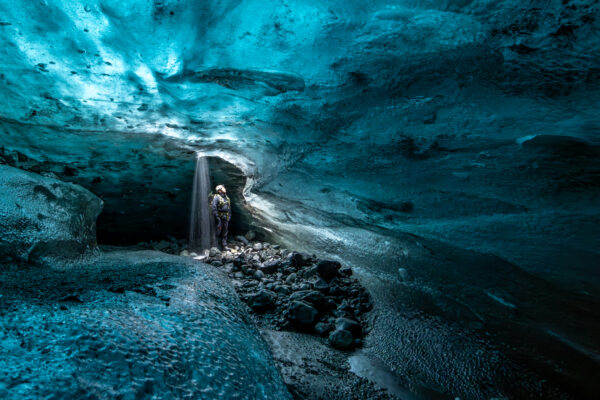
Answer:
(221, 210)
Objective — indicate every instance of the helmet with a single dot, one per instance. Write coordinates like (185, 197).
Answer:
(220, 187)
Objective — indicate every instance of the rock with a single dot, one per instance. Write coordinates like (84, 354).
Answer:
(328, 269)
(349, 325)
(216, 263)
(282, 289)
(335, 290)
(275, 247)
(301, 313)
(308, 272)
(162, 245)
(238, 275)
(270, 267)
(313, 297)
(346, 271)
(214, 252)
(341, 339)
(184, 253)
(242, 239)
(43, 220)
(291, 278)
(321, 285)
(299, 260)
(238, 261)
(257, 246)
(323, 328)
(258, 274)
(262, 301)
(250, 235)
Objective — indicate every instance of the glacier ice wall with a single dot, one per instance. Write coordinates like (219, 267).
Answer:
(473, 121)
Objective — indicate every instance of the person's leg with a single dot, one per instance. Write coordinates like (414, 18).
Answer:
(225, 232)
(218, 226)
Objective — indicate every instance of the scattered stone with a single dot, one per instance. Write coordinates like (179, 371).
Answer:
(302, 313)
(214, 252)
(258, 274)
(349, 325)
(308, 272)
(323, 328)
(291, 278)
(328, 269)
(346, 271)
(313, 297)
(270, 267)
(341, 339)
(295, 291)
(321, 285)
(262, 301)
(299, 260)
(250, 235)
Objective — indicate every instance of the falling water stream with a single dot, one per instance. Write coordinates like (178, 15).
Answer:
(202, 227)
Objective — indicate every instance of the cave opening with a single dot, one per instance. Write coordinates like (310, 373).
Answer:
(147, 212)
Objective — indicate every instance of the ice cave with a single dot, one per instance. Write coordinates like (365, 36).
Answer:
(409, 209)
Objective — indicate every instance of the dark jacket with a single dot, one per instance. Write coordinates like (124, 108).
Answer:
(221, 206)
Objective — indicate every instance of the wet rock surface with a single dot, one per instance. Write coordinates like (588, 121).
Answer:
(292, 291)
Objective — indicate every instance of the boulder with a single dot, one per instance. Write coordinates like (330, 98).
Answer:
(323, 328)
(270, 267)
(299, 260)
(262, 301)
(313, 297)
(301, 313)
(349, 325)
(250, 235)
(328, 269)
(341, 339)
(43, 219)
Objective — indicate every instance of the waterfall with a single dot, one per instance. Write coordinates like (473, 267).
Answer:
(202, 225)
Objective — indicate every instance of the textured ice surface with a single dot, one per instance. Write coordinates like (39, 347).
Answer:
(43, 218)
(132, 325)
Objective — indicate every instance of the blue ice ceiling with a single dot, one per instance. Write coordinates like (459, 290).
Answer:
(474, 122)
